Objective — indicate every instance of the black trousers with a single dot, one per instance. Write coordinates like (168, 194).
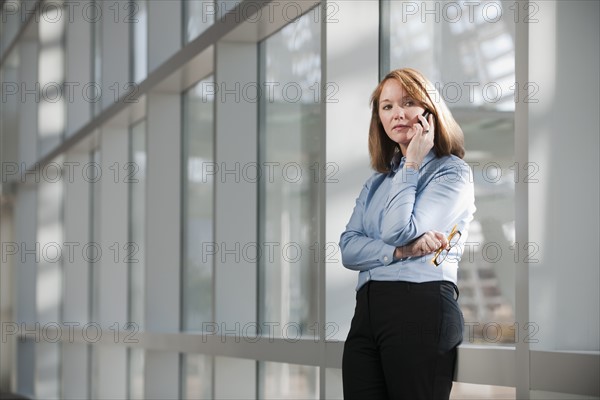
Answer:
(402, 341)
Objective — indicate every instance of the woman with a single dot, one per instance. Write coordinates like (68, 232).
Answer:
(407, 323)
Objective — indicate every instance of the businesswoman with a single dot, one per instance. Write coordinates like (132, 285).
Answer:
(405, 237)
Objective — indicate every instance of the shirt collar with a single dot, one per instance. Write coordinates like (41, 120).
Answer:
(398, 160)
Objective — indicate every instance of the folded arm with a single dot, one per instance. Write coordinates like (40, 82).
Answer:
(360, 252)
(409, 213)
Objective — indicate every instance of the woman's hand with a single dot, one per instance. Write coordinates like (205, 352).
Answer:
(421, 141)
(427, 243)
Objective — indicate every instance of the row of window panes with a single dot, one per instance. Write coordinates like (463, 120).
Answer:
(278, 223)
(287, 209)
(278, 380)
(198, 15)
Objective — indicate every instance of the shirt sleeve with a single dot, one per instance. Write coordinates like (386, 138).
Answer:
(410, 210)
(360, 252)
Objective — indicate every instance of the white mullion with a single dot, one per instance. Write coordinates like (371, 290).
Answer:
(322, 297)
(521, 363)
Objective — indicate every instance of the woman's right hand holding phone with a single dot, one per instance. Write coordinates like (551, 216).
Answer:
(421, 142)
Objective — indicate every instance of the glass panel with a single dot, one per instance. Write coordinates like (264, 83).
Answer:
(471, 391)
(333, 384)
(47, 370)
(197, 376)
(10, 75)
(94, 355)
(467, 48)
(288, 381)
(51, 77)
(137, 222)
(10, 22)
(48, 247)
(25, 364)
(95, 174)
(139, 34)
(469, 54)
(198, 188)
(563, 225)
(198, 16)
(290, 137)
(135, 373)
(94, 179)
(49, 253)
(95, 18)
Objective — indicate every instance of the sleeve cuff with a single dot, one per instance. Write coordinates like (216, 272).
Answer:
(387, 254)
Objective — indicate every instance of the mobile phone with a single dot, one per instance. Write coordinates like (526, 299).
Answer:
(425, 115)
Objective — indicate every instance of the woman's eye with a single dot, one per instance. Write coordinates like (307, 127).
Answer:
(409, 103)
(387, 107)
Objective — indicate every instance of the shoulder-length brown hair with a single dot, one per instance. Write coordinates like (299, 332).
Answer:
(448, 139)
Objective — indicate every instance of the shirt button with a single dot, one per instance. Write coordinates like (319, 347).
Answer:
(385, 258)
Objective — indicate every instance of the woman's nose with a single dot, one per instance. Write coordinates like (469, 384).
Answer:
(398, 113)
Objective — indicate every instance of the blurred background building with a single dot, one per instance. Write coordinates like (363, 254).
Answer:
(176, 175)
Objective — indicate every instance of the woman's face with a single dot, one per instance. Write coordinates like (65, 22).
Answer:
(398, 112)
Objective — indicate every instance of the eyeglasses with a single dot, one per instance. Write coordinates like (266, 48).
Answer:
(441, 254)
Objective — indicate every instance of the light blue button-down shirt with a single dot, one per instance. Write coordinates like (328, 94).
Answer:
(396, 208)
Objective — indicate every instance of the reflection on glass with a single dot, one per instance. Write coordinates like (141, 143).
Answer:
(198, 16)
(137, 222)
(49, 235)
(288, 381)
(51, 77)
(198, 211)
(467, 49)
(139, 33)
(49, 280)
(94, 178)
(198, 188)
(290, 134)
(135, 373)
(197, 374)
(472, 64)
